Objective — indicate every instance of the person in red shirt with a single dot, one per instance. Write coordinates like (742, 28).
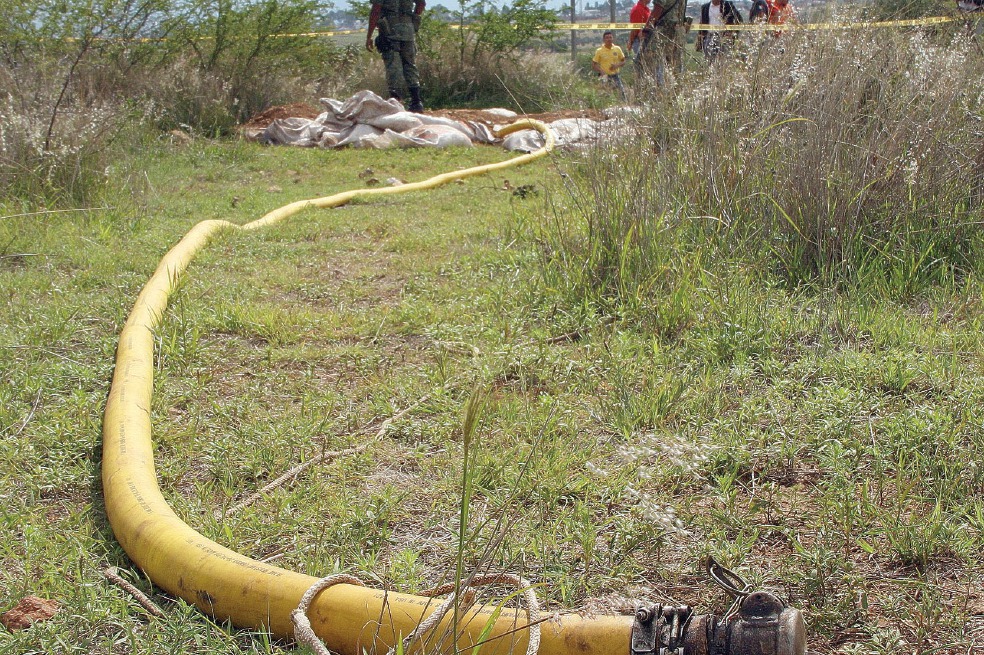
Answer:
(638, 14)
(779, 12)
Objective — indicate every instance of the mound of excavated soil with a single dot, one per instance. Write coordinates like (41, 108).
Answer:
(303, 110)
(267, 116)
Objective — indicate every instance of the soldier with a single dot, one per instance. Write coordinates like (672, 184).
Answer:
(658, 40)
(663, 41)
(398, 22)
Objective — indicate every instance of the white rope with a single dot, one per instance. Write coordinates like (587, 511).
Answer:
(304, 634)
(302, 626)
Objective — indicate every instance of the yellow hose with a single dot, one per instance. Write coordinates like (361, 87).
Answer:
(351, 620)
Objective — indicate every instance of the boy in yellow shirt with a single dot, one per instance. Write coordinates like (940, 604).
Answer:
(608, 60)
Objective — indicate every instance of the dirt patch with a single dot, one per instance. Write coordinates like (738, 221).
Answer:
(296, 110)
(27, 611)
(303, 110)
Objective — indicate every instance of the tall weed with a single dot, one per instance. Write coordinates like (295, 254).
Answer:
(54, 152)
(849, 162)
(463, 73)
(625, 251)
(852, 160)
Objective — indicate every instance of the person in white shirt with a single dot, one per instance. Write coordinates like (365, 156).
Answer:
(717, 12)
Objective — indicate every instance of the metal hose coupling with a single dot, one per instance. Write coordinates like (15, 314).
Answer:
(758, 623)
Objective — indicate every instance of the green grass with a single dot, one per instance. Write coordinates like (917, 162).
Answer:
(826, 445)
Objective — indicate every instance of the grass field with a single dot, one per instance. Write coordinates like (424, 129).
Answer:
(827, 446)
(752, 331)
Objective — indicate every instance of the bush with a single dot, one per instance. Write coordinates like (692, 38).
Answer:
(494, 63)
(58, 117)
(846, 161)
(75, 75)
(228, 61)
(530, 81)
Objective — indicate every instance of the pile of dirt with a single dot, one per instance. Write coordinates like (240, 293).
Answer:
(296, 110)
(303, 110)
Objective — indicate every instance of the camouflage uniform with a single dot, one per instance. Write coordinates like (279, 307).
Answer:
(396, 43)
(662, 42)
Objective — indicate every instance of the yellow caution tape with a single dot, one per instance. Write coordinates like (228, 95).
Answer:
(331, 33)
(770, 27)
(745, 27)
(598, 26)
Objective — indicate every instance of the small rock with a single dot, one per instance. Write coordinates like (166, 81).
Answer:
(27, 611)
(393, 181)
(366, 174)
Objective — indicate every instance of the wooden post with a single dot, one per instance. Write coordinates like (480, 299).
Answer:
(611, 9)
(573, 32)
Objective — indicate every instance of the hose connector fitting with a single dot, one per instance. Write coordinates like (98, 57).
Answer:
(758, 623)
(763, 625)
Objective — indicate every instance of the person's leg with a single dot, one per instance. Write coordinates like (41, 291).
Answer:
(416, 102)
(408, 56)
(394, 75)
(617, 81)
(712, 46)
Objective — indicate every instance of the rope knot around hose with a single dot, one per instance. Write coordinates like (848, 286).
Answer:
(302, 625)
(305, 635)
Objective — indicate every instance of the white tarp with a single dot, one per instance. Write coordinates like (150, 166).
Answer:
(368, 121)
(579, 132)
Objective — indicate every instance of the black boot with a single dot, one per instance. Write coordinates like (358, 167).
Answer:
(416, 104)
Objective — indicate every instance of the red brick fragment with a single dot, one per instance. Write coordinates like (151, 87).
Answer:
(27, 611)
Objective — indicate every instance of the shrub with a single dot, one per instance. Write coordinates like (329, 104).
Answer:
(846, 161)
(58, 120)
(493, 63)
(530, 81)
(227, 61)
(75, 75)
